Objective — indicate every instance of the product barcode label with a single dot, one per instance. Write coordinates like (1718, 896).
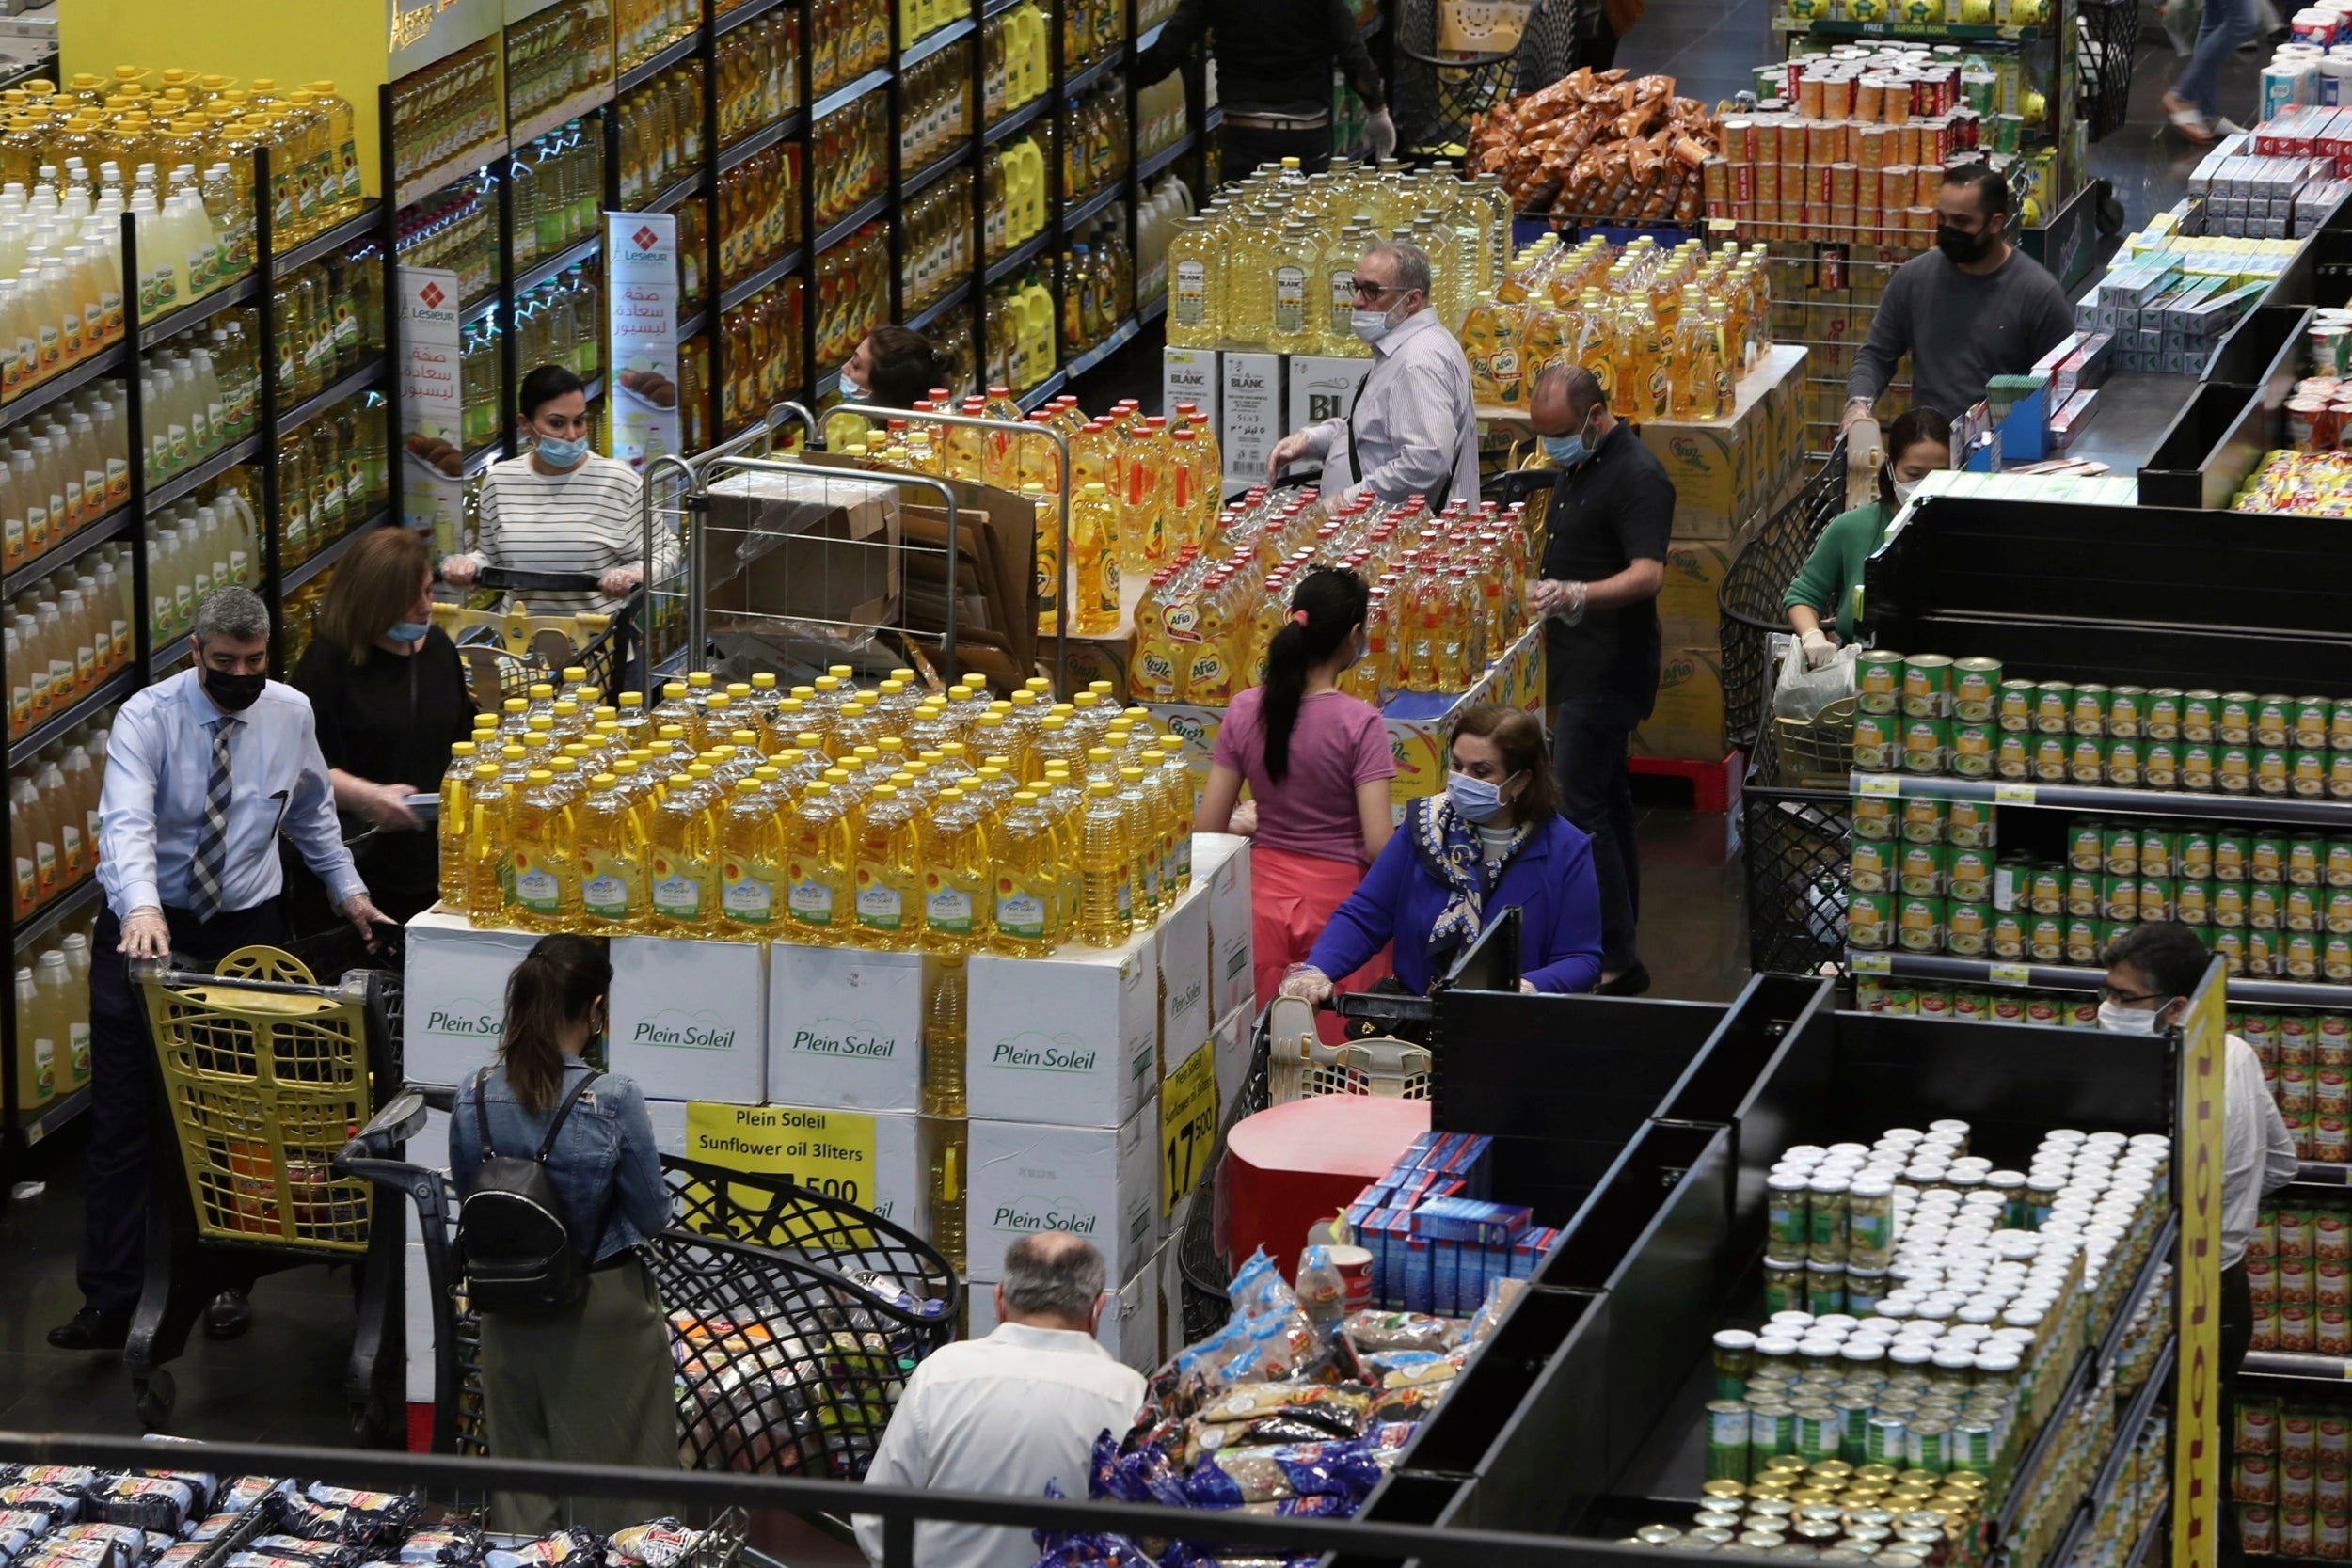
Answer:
(1872, 963)
(1878, 784)
(2007, 974)
(2013, 794)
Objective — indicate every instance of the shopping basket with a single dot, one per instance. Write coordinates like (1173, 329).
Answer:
(1300, 1067)
(1754, 588)
(2107, 36)
(506, 650)
(264, 1074)
(1205, 1271)
(1442, 79)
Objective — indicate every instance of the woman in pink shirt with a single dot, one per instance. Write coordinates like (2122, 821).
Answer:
(1318, 768)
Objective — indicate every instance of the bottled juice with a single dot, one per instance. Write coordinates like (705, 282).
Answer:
(1094, 546)
(37, 1063)
(749, 870)
(1028, 878)
(547, 877)
(612, 853)
(680, 883)
(489, 871)
(1107, 870)
(953, 844)
(888, 881)
(820, 865)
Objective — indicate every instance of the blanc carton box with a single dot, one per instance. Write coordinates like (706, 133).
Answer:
(1251, 413)
(1323, 389)
(1132, 1327)
(454, 994)
(1072, 1039)
(878, 1160)
(689, 1018)
(1222, 861)
(1099, 1183)
(1232, 1043)
(1190, 375)
(845, 1028)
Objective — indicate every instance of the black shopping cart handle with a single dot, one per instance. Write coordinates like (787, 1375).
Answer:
(1383, 1007)
(545, 583)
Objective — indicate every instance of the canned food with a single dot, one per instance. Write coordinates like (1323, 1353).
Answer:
(2082, 892)
(2119, 898)
(2082, 947)
(2307, 860)
(2123, 762)
(2192, 852)
(2005, 938)
(2266, 858)
(2227, 902)
(1889, 1440)
(2233, 718)
(2127, 711)
(2045, 941)
(1784, 1287)
(2047, 890)
(1977, 689)
(2192, 902)
(2160, 764)
(2155, 851)
(2231, 856)
(2234, 768)
(1968, 875)
(1869, 865)
(2340, 724)
(2087, 715)
(2307, 774)
(2118, 848)
(1920, 925)
(1820, 1433)
(2196, 766)
(1824, 1288)
(1927, 1446)
(2340, 775)
(1969, 824)
(1726, 1440)
(1870, 921)
(2015, 712)
(2053, 707)
(2013, 757)
(1877, 681)
(1927, 744)
(2264, 907)
(2336, 863)
(1925, 822)
(1771, 1429)
(2335, 915)
(2274, 770)
(1973, 746)
(2155, 898)
(2274, 719)
(2299, 911)
(2050, 755)
(1966, 934)
(1874, 747)
(2311, 723)
(1928, 686)
(2087, 760)
(1874, 816)
(2200, 715)
(2087, 840)
(2164, 714)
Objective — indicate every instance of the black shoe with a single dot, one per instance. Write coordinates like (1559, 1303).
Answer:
(228, 1316)
(92, 1330)
(1633, 982)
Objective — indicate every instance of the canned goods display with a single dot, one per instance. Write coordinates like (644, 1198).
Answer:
(1977, 691)
(1927, 744)
(1928, 681)
(1879, 681)
(1874, 741)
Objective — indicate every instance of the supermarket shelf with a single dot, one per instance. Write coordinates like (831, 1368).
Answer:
(997, 7)
(595, 389)
(473, 161)
(1215, 119)
(1035, 397)
(1153, 309)
(1925, 966)
(922, 320)
(479, 312)
(327, 557)
(865, 212)
(167, 659)
(1014, 121)
(2151, 1270)
(198, 311)
(311, 407)
(1163, 157)
(1149, 36)
(561, 261)
(112, 689)
(932, 42)
(367, 226)
(693, 325)
(1094, 73)
(56, 1117)
(1121, 335)
(2150, 1536)
(751, 10)
(955, 159)
(784, 267)
(480, 458)
(671, 194)
(661, 60)
(841, 98)
(2283, 812)
(1020, 255)
(105, 362)
(56, 913)
(2323, 1173)
(2297, 1363)
(79, 543)
(211, 468)
(1077, 217)
(2027, 1478)
(760, 141)
(827, 384)
(1949, 32)
(540, 124)
(2128, 1431)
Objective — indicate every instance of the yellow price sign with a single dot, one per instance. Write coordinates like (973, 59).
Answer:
(1878, 784)
(830, 1152)
(2013, 794)
(1873, 963)
(2008, 974)
(1188, 1125)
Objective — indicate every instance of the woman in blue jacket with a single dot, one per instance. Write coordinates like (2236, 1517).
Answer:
(1494, 839)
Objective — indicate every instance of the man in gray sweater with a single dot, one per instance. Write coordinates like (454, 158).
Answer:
(1966, 311)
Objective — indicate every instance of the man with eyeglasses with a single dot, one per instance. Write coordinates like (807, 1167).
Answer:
(1412, 431)
(2152, 972)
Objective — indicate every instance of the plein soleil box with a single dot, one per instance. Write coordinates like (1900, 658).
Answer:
(1222, 862)
(1098, 1183)
(1129, 1328)
(1072, 1039)
(690, 1018)
(845, 1028)
(454, 997)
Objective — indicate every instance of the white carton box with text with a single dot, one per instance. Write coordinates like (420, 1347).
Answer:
(1232, 1043)
(1130, 1327)
(1222, 861)
(1190, 375)
(1250, 414)
(1184, 1016)
(453, 994)
(1098, 1183)
(1072, 1039)
(1323, 389)
(690, 1018)
(845, 1027)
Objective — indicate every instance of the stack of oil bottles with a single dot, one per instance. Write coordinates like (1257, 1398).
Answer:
(1667, 333)
(822, 815)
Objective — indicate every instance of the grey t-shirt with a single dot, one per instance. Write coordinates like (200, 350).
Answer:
(1961, 330)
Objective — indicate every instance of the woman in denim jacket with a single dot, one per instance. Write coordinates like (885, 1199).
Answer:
(591, 1383)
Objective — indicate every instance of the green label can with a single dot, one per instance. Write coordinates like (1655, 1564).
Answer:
(2164, 713)
(1726, 1440)
(2046, 939)
(2118, 847)
(2335, 959)
(2311, 723)
(2008, 938)
(2127, 711)
(1968, 934)
(2123, 762)
(1925, 821)
(2307, 859)
(1879, 681)
(1870, 921)
(2230, 947)
(2155, 851)
(2160, 764)
(2263, 901)
(2233, 856)
(2085, 844)
(2082, 941)
(1927, 745)
(1874, 749)
(2196, 766)
(2016, 704)
(1870, 864)
(1771, 1426)
(2087, 760)
(1923, 870)
(1889, 1442)
(2053, 707)
(2234, 768)
(2013, 757)
(2192, 852)
(2340, 775)
(1920, 925)
(2233, 718)
(2082, 892)
(1968, 875)
(2200, 715)
(2227, 903)
(1928, 686)
(2049, 758)
(1821, 1432)
(1874, 816)
(2336, 915)
(2048, 894)
(1973, 746)
(2302, 908)
(2192, 902)
(2155, 898)
(2274, 719)
(2339, 870)
(2340, 724)
(2300, 956)
(1970, 823)
(2307, 773)
(2118, 897)
(2274, 770)
(2088, 715)
(2266, 858)
(1977, 691)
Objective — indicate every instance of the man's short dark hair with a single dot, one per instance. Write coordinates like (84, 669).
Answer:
(1992, 190)
(1578, 386)
(2172, 955)
(1052, 1275)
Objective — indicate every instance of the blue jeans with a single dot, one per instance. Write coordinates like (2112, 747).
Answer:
(1589, 738)
(2225, 26)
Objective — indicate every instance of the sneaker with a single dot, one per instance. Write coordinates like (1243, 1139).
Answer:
(90, 1329)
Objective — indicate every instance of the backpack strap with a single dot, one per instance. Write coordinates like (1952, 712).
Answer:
(547, 1144)
(482, 1112)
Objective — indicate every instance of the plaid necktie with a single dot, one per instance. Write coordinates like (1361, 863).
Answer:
(212, 844)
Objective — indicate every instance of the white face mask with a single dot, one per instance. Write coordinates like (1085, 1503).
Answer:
(1371, 325)
(1903, 489)
(2117, 1019)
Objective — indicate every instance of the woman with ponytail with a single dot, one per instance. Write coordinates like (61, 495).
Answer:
(1318, 767)
(590, 1382)
(1829, 589)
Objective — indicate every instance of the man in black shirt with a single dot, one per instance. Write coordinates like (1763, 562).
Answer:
(1274, 61)
(1610, 514)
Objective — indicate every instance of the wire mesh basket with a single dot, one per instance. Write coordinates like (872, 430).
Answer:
(1794, 851)
(2107, 36)
(766, 1211)
(1441, 85)
(506, 650)
(1470, 28)
(1204, 1272)
(1817, 753)
(1752, 590)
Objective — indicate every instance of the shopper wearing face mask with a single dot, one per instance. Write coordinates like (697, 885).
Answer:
(1830, 585)
(1412, 430)
(204, 771)
(2152, 969)
(1966, 311)
(1318, 766)
(1606, 527)
(390, 700)
(1494, 840)
(561, 507)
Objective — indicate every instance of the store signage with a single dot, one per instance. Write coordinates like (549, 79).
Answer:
(2202, 1427)
(827, 1152)
(644, 296)
(1187, 1126)
(419, 32)
(432, 406)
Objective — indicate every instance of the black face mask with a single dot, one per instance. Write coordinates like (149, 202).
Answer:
(232, 694)
(1962, 246)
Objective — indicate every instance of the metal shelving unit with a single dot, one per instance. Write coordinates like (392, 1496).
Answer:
(2280, 811)
(1981, 971)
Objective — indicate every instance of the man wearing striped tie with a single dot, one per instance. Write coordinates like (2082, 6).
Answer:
(203, 772)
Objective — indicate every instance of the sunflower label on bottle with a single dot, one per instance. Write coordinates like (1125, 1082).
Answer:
(808, 897)
(745, 897)
(946, 909)
(881, 901)
(1020, 911)
(608, 886)
(676, 890)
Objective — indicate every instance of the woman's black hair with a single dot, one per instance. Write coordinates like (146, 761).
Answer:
(543, 387)
(906, 368)
(555, 986)
(1914, 427)
(1325, 607)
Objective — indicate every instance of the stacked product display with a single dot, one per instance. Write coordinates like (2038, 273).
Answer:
(2288, 1476)
(1601, 148)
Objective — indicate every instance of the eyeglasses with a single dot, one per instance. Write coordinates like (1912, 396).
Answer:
(2116, 994)
(1366, 288)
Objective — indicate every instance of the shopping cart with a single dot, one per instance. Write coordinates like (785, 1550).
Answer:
(795, 1318)
(262, 1074)
(1752, 589)
(506, 650)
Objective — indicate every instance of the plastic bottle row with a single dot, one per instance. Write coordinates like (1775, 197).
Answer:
(454, 230)
(759, 212)
(331, 477)
(1015, 200)
(937, 253)
(52, 817)
(661, 132)
(1012, 60)
(849, 37)
(1168, 203)
(1094, 140)
(759, 77)
(853, 291)
(196, 547)
(1096, 282)
(446, 109)
(1091, 30)
(1160, 117)
(66, 636)
(1019, 333)
(762, 355)
(62, 471)
(852, 158)
(556, 56)
(555, 189)
(644, 28)
(53, 1020)
(935, 106)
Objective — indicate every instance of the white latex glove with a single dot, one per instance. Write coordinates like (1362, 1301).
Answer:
(1856, 408)
(1550, 596)
(1307, 983)
(1819, 649)
(618, 582)
(386, 806)
(458, 571)
(145, 935)
(1527, 986)
(1381, 129)
(1245, 819)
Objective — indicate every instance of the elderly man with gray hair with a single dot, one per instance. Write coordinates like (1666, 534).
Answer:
(1011, 1412)
(1412, 430)
(205, 770)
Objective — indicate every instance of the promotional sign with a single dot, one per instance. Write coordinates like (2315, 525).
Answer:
(643, 294)
(432, 406)
(2202, 1434)
(826, 1152)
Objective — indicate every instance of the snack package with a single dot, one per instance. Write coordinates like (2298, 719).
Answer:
(453, 1545)
(1407, 1404)
(326, 1554)
(1258, 1288)
(564, 1545)
(1249, 1400)
(244, 1491)
(1500, 1294)
(64, 1507)
(1375, 1330)
(658, 1543)
(79, 1480)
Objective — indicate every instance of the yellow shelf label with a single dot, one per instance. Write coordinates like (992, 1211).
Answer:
(2013, 794)
(1188, 1125)
(827, 1152)
(1879, 783)
(2008, 974)
(1873, 963)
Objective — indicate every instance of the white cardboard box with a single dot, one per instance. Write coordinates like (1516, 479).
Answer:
(1251, 413)
(1186, 1020)
(690, 1018)
(1323, 389)
(1072, 1039)
(417, 1311)
(1222, 861)
(1098, 1183)
(1132, 1326)
(1190, 375)
(878, 1160)
(1232, 1043)
(845, 1027)
(453, 995)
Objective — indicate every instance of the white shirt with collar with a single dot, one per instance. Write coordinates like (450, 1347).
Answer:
(1414, 420)
(1003, 1415)
(2257, 1151)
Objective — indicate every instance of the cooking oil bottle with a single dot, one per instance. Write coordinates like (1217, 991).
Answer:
(749, 849)
(547, 877)
(453, 817)
(487, 870)
(1094, 545)
(947, 1217)
(679, 882)
(945, 1029)
(889, 902)
(1143, 845)
(1195, 315)
(1107, 870)
(819, 864)
(952, 842)
(1028, 878)
(610, 848)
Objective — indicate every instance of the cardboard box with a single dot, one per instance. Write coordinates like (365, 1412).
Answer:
(1191, 1110)
(1099, 1183)
(1232, 1041)
(1132, 1328)
(1323, 389)
(878, 1160)
(845, 1027)
(1688, 721)
(1695, 569)
(1191, 375)
(453, 999)
(1250, 414)
(1222, 861)
(690, 1018)
(792, 545)
(1185, 1020)
(1072, 1039)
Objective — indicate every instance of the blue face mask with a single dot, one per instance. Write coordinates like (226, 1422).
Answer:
(1568, 451)
(558, 454)
(1476, 799)
(406, 631)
